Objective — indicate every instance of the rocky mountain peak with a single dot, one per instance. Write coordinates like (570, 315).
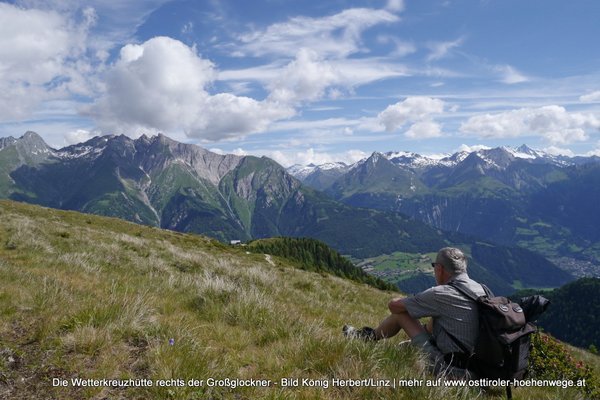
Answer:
(527, 150)
(33, 141)
(499, 157)
(6, 141)
(32, 149)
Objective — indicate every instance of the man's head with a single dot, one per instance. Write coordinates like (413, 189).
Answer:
(451, 262)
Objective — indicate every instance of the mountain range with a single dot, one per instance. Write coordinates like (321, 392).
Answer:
(515, 197)
(159, 182)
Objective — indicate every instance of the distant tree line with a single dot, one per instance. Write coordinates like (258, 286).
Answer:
(573, 315)
(313, 255)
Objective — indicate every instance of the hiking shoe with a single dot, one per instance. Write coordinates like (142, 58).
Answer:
(365, 333)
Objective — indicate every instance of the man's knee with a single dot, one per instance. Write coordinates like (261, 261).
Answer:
(411, 325)
(395, 306)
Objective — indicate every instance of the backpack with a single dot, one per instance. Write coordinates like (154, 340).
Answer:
(504, 338)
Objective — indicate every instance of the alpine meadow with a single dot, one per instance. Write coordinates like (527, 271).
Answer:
(88, 297)
(299, 200)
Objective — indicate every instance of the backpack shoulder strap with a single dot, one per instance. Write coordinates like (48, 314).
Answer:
(473, 297)
(469, 293)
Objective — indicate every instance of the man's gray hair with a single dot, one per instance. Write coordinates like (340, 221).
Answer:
(453, 260)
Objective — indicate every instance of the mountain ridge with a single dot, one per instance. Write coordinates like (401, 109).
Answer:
(510, 196)
(160, 182)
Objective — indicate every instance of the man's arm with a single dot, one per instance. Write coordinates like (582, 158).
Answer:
(399, 319)
(396, 306)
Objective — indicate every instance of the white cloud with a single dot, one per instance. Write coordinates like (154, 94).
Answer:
(470, 149)
(395, 5)
(412, 109)
(440, 50)
(590, 97)
(305, 78)
(510, 75)
(187, 28)
(37, 57)
(263, 73)
(591, 153)
(226, 116)
(553, 123)
(119, 19)
(239, 152)
(161, 85)
(424, 130)
(78, 136)
(350, 73)
(312, 156)
(557, 151)
(337, 36)
(401, 48)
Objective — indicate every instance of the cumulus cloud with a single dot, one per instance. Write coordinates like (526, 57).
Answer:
(557, 151)
(78, 136)
(554, 123)
(337, 36)
(38, 52)
(312, 156)
(161, 85)
(590, 97)
(417, 110)
(470, 149)
(305, 78)
(424, 130)
(592, 153)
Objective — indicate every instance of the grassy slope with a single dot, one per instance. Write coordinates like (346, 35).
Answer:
(93, 297)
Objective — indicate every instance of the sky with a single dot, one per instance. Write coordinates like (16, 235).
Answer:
(306, 81)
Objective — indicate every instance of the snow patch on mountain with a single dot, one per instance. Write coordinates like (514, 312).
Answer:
(301, 171)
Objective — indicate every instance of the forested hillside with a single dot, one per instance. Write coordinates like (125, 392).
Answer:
(314, 255)
(574, 313)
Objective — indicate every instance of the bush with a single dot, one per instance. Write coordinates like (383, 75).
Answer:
(550, 359)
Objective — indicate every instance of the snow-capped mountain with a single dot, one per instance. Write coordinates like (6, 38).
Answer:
(498, 158)
(319, 176)
(515, 196)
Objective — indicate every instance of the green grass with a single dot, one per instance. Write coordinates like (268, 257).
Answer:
(92, 297)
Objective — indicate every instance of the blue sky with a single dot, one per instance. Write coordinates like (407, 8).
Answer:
(307, 81)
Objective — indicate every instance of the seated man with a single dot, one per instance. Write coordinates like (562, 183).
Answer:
(453, 315)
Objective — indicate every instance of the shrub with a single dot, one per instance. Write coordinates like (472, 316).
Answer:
(550, 359)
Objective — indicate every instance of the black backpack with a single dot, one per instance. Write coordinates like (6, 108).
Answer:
(504, 340)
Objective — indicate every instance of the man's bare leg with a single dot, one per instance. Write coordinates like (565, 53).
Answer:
(392, 324)
(419, 336)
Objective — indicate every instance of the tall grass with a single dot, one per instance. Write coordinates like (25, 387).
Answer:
(90, 297)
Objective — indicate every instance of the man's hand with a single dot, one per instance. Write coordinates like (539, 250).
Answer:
(429, 326)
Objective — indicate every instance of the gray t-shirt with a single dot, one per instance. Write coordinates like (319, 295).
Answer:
(451, 312)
